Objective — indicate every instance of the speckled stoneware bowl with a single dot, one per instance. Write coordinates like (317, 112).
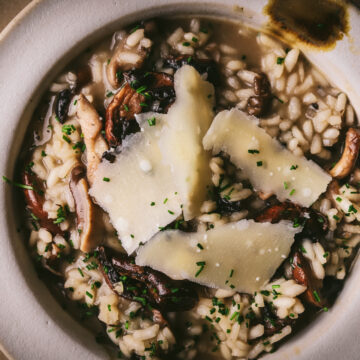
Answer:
(40, 41)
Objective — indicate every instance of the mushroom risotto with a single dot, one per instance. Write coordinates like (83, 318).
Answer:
(192, 190)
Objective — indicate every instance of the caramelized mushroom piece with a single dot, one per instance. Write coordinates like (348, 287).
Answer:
(35, 201)
(62, 105)
(91, 126)
(87, 213)
(303, 275)
(143, 91)
(205, 67)
(315, 225)
(259, 104)
(349, 155)
(145, 285)
(272, 323)
(125, 58)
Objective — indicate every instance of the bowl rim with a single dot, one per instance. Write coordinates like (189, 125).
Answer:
(36, 311)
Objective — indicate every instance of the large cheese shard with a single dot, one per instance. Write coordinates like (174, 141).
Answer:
(188, 120)
(139, 195)
(242, 255)
(163, 169)
(270, 167)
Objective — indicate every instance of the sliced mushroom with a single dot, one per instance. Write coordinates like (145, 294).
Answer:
(259, 104)
(303, 275)
(349, 155)
(145, 285)
(143, 91)
(87, 213)
(315, 225)
(125, 58)
(206, 67)
(272, 323)
(333, 190)
(35, 201)
(62, 104)
(91, 126)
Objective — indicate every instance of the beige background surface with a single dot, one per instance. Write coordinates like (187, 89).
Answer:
(8, 10)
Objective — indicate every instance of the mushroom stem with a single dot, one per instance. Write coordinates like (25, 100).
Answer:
(349, 155)
(91, 126)
(88, 214)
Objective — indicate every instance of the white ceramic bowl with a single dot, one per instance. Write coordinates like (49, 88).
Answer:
(40, 41)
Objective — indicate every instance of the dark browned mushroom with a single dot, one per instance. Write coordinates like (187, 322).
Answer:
(35, 201)
(259, 104)
(206, 67)
(303, 275)
(272, 323)
(349, 156)
(88, 215)
(143, 91)
(145, 285)
(315, 225)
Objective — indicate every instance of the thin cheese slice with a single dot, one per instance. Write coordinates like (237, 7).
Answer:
(140, 194)
(162, 170)
(270, 167)
(188, 121)
(241, 256)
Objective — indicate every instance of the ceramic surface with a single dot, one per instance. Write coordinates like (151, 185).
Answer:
(39, 42)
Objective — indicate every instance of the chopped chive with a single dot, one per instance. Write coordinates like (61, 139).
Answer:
(208, 318)
(132, 236)
(253, 151)
(152, 203)
(231, 273)
(189, 59)
(109, 94)
(81, 273)
(286, 185)
(152, 121)
(141, 89)
(66, 139)
(127, 324)
(292, 192)
(165, 201)
(140, 299)
(43, 153)
(325, 309)
(280, 60)
(106, 179)
(278, 99)
(171, 212)
(259, 163)
(352, 209)
(316, 295)
(200, 246)
(326, 254)
(335, 217)
(194, 39)
(339, 199)
(126, 107)
(75, 102)
(265, 292)
(186, 43)
(294, 167)
(89, 295)
(275, 286)
(202, 265)
(22, 186)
